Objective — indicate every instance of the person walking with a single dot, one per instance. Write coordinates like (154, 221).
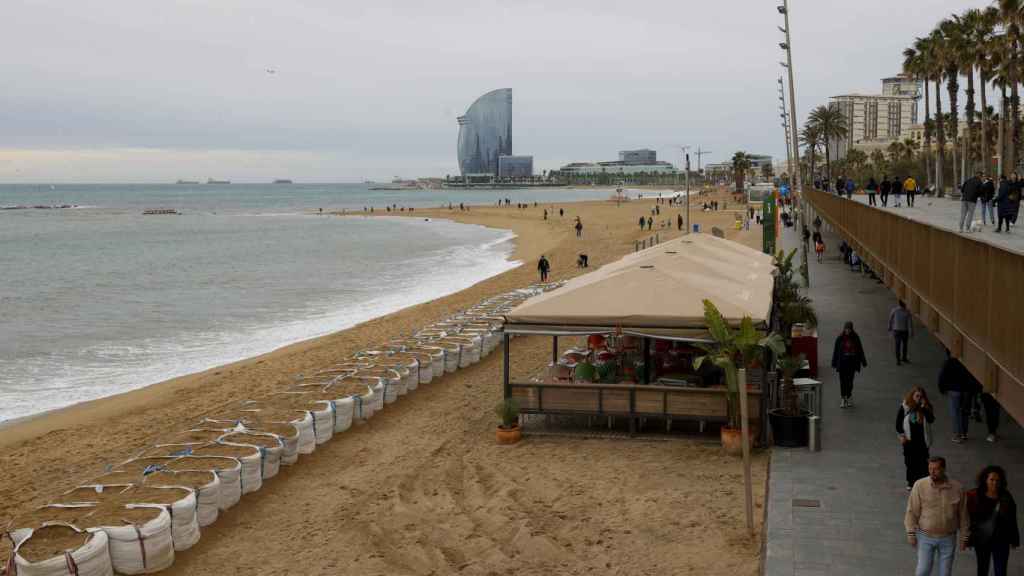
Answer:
(910, 187)
(935, 514)
(642, 222)
(988, 194)
(959, 385)
(884, 188)
(872, 189)
(914, 431)
(579, 227)
(901, 326)
(897, 192)
(992, 521)
(847, 359)
(819, 248)
(840, 186)
(1015, 196)
(992, 413)
(543, 266)
(1002, 203)
(969, 193)
(850, 186)
(545, 213)
(679, 222)
(650, 222)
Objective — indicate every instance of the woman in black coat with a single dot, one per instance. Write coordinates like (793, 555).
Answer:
(992, 514)
(847, 359)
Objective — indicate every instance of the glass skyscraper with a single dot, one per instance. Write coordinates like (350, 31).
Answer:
(485, 133)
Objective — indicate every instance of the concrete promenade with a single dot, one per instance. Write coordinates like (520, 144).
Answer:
(857, 479)
(945, 213)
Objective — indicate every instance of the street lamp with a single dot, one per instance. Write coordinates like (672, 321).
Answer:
(787, 45)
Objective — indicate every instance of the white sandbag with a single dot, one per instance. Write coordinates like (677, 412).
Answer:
(271, 447)
(452, 354)
(287, 433)
(180, 502)
(407, 370)
(344, 411)
(89, 558)
(391, 381)
(23, 524)
(251, 474)
(302, 420)
(142, 547)
(228, 470)
(205, 485)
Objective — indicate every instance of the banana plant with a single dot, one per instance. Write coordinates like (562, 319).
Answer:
(732, 349)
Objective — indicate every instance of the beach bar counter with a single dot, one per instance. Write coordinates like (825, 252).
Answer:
(623, 337)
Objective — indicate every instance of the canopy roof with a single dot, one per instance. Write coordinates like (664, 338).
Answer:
(658, 291)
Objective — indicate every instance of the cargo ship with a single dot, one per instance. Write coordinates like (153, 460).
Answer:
(212, 181)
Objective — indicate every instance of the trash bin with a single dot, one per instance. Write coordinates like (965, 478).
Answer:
(814, 433)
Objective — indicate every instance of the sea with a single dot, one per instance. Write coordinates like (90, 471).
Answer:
(98, 298)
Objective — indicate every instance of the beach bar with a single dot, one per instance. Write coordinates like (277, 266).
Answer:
(633, 325)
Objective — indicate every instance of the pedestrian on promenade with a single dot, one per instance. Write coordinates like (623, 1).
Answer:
(579, 227)
(992, 521)
(914, 431)
(850, 185)
(959, 385)
(1003, 204)
(819, 248)
(840, 186)
(872, 189)
(935, 513)
(901, 326)
(897, 192)
(910, 187)
(970, 191)
(884, 188)
(847, 359)
(543, 266)
(988, 194)
(992, 413)
(1015, 196)
(679, 222)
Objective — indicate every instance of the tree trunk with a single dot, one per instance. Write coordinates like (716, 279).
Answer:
(927, 152)
(940, 135)
(1001, 139)
(828, 164)
(953, 89)
(986, 155)
(969, 153)
(1015, 123)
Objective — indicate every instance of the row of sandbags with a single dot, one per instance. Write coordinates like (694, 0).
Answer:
(134, 517)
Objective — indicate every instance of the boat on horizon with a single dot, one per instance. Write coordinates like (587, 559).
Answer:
(212, 181)
(187, 182)
(283, 181)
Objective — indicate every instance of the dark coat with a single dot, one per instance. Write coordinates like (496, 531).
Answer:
(837, 353)
(980, 509)
(971, 189)
(955, 377)
(885, 187)
(1003, 195)
(988, 191)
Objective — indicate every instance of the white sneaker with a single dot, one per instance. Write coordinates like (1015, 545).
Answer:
(990, 438)
(849, 403)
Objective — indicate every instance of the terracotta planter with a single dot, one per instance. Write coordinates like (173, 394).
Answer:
(509, 435)
(732, 440)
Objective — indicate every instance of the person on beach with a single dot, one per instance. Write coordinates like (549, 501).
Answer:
(935, 513)
(910, 187)
(847, 359)
(959, 385)
(642, 222)
(545, 213)
(561, 212)
(914, 431)
(650, 223)
(543, 266)
(679, 222)
(872, 189)
(992, 521)
(883, 190)
(579, 227)
(970, 191)
(901, 326)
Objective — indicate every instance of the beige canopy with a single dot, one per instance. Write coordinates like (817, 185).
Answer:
(658, 291)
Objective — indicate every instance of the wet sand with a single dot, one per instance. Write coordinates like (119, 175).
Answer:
(422, 488)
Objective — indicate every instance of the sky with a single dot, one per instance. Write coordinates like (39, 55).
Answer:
(328, 91)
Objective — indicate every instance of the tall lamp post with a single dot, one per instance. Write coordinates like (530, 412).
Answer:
(686, 159)
(788, 47)
(785, 130)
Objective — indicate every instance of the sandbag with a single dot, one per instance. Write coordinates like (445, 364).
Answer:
(250, 458)
(143, 465)
(63, 549)
(228, 470)
(23, 524)
(179, 501)
(205, 485)
(286, 432)
(139, 537)
(322, 411)
(271, 448)
(364, 403)
(301, 419)
(390, 380)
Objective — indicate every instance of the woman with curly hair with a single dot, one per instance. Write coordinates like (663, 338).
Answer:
(992, 514)
(914, 429)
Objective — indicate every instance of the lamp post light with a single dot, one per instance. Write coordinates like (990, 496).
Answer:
(684, 150)
(788, 47)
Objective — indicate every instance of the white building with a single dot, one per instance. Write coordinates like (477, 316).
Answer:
(617, 167)
(875, 120)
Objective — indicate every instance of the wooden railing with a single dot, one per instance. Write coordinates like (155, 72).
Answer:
(968, 293)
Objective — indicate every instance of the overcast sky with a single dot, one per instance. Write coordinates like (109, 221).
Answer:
(148, 91)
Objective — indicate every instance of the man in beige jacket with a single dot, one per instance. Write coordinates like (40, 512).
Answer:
(935, 513)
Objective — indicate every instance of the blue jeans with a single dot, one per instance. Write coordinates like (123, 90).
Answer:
(926, 549)
(960, 411)
(988, 212)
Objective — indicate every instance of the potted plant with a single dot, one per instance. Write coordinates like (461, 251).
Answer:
(789, 422)
(508, 431)
(732, 349)
(792, 306)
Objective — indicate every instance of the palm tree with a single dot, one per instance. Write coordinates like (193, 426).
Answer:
(953, 46)
(984, 36)
(832, 125)
(740, 164)
(895, 150)
(1001, 73)
(1011, 15)
(855, 162)
(932, 63)
(878, 161)
(810, 136)
(916, 66)
(975, 30)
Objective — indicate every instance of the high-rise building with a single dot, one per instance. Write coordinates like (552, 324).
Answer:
(875, 120)
(515, 166)
(485, 133)
(642, 156)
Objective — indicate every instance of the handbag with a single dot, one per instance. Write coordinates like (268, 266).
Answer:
(984, 531)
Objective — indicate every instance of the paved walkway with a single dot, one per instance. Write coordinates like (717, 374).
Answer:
(945, 213)
(858, 477)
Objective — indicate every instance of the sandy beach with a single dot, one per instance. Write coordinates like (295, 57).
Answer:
(422, 488)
